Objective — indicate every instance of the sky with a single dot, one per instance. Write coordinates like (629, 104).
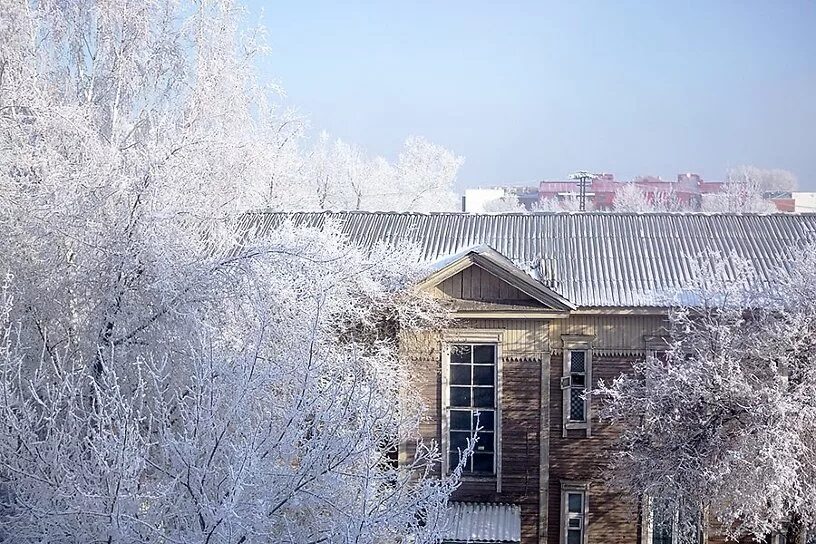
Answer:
(534, 90)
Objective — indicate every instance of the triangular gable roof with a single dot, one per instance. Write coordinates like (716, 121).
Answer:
(500, 266)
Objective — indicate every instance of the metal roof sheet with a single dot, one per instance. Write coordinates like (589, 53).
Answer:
(483, 522)
(595, 259)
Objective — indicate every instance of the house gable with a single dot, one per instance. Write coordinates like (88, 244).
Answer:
(476, 287)
(482, 280)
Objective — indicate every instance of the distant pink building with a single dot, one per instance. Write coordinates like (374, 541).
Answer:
(687, 190)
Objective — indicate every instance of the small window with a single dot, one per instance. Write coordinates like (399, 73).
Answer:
(472, 400)
(576, 383)
(577, 386)
(573, 513)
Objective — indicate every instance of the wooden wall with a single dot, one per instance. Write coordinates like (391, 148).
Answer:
(527, 344)
(613, 518)
(524, 345)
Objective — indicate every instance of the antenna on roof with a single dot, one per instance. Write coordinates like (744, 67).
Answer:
(584, 180)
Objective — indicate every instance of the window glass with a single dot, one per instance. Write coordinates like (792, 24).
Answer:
(460, 374)
(460, 396)
(484, 354)
(577, 361)
(482, 462)
(576, 404)
(484, 442)
(483, 397)
(460, 420)
(575, 503)
(483, 375)
(484, 418)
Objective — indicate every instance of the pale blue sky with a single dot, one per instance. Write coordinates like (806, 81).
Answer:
(535, 89)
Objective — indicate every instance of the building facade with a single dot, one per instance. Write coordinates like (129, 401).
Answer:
(546, 306)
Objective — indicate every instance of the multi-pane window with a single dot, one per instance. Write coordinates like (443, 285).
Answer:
(666, 524)
(662, 526)
(472, 396)
(577, 385)
(574, 526)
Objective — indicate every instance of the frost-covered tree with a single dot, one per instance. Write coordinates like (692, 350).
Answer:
(723, 424)
(743, 191)
(773, 179)
(509, 203)
(631, 198)
(342, 177)
(165, 376)
(566, 204)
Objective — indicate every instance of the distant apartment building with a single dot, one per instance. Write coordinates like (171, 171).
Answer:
(688, 191)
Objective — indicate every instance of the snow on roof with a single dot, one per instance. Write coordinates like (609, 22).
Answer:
(594, 259)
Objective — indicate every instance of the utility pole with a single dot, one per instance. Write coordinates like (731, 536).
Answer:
(584, 180)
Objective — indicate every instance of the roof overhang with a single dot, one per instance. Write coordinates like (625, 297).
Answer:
(503, 268)
(622, 310)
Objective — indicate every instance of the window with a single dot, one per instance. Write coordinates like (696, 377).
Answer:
(575, 383)
(664, 524)
(472, 405)
(574, 512)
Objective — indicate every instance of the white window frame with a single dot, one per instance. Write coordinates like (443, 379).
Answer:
(576, 343)
(472, 336)
(568, 488)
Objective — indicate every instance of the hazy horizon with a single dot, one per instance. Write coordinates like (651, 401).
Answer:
(536, 90)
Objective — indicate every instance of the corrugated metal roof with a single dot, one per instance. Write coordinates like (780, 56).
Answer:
(591, 259)
(483, 522)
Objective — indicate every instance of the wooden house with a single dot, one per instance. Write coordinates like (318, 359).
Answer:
(545, 306)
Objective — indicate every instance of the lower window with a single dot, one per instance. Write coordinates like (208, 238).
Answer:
(666, 524)
(573, 513)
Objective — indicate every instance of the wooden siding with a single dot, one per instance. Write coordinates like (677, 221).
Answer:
(476, 284)
(613, 333)
(613, 517)
(524, 343)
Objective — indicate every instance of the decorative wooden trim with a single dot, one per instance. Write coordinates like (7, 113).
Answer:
(504, 314)
(633, 310)
(544, 453)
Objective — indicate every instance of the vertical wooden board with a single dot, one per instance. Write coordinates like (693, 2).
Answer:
(490, 286)
(479, 276)
(467, 283)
